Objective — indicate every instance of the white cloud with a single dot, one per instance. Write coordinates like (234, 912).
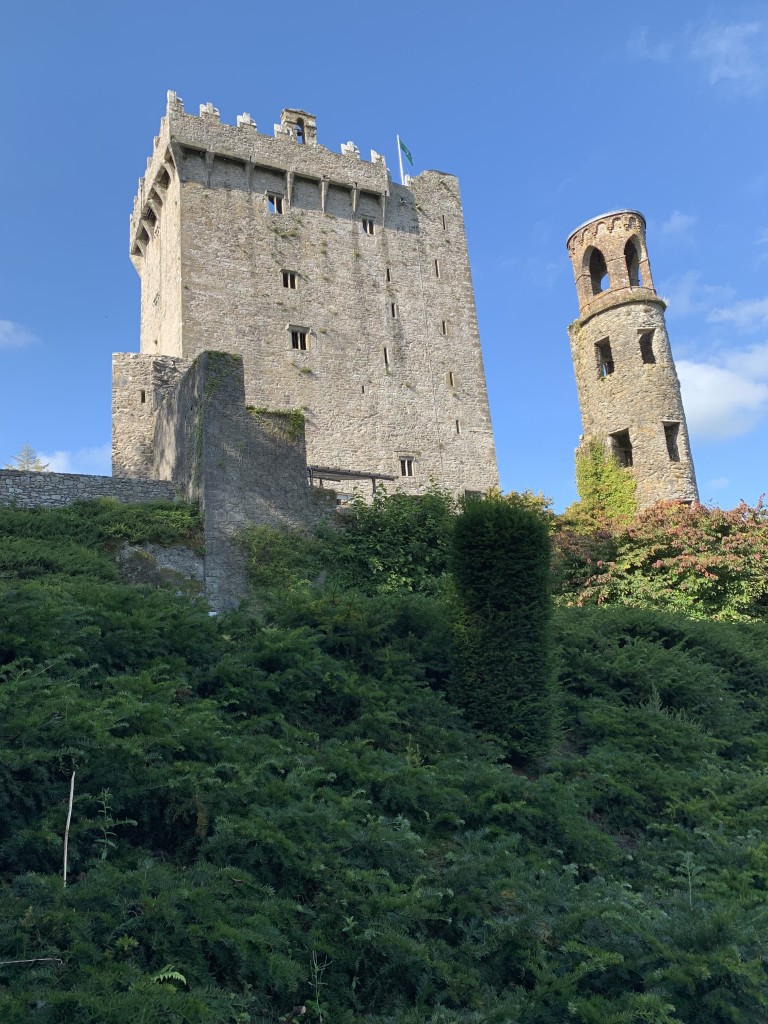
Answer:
(96, 460)
(660, 50)
(677, 225)
(719, 483)
(13, 335)
(687, 294)
(748, 315)
(726, 397)
(734, 55)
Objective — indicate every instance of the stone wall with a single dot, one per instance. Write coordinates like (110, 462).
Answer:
(393, 368)
(244, 467)
(140, 384)
(637, 397)
(55, 490)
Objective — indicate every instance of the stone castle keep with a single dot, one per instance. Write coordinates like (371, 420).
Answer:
(308, 327)
(346, 296)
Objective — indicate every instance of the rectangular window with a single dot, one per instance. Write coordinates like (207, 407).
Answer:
(393, 310)
(444, 224)
(368, 226)
(437, 268)
(671, 432)
(622, 448)
(143, 397)
(275, 202)
(450, 379)
(646, 347)
(458, 426)
(406, 467)
(299, 336)
(289, 279)
(444, 327)
(389, 275)
(604, 358)
(386, 357)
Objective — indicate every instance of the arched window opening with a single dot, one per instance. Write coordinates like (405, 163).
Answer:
(632, 257)
(300, 130)
(598, 272)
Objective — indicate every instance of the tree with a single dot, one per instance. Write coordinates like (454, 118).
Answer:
(28, 460)
(503, 677)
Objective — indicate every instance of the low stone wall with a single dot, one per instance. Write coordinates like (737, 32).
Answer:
(55, 490)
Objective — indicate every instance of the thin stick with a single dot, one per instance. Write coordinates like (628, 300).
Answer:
(35, 960)
(69, 819)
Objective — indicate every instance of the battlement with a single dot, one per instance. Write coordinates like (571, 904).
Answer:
(610, 262)
(238, 151)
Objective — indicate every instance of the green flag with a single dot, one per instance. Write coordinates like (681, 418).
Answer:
(407, 152)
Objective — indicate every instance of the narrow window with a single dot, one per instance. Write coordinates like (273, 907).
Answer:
(386, 357)
(393, 310)
(444, 224)
(274, 202)
(671, 432)
(362, 389)
(604, 359)
(598, 272)
(632, 258)
(458, 426)
(389, 275)
(299, 339)
(646, 347)
(450, 379)
(143, 397)
(444, 327)
(289, 279)
(368, 226)
(300, 131)
(437, 268)
(406, 467)
(622, 448)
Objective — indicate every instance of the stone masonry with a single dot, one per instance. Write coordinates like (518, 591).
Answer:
(244, 467)
(347, 296)
(57, 490)
(627, 383)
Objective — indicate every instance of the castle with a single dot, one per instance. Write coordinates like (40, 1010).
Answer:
(348, 298)
(308, 328)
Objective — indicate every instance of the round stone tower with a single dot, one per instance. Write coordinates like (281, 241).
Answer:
(628, 388)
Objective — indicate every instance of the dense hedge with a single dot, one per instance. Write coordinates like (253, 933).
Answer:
(280, 807)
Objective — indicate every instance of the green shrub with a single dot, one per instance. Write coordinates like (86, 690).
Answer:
(503, 676)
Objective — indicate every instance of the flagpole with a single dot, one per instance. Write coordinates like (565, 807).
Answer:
(400, 158)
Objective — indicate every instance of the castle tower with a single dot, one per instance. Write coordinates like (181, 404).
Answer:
(627, 383)
(346, 296)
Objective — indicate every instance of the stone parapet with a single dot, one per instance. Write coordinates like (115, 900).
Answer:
(56, 490)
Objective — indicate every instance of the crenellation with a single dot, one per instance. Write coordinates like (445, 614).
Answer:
(210, 113)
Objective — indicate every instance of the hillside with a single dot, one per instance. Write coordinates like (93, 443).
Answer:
(281, 808)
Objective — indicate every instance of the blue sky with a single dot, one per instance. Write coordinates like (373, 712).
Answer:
(549, 113)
